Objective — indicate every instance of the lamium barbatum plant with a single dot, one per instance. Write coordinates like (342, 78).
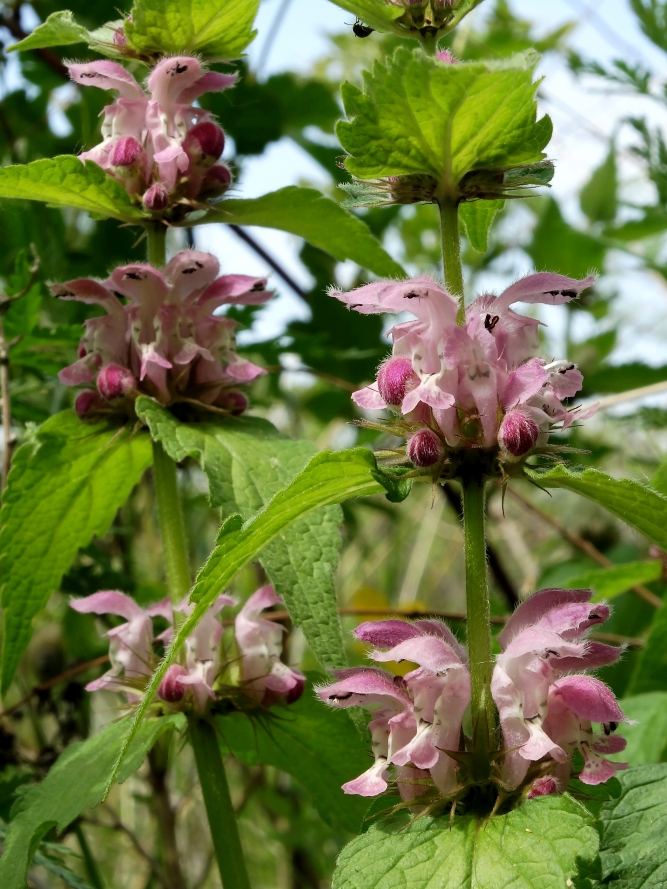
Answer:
(495, 749)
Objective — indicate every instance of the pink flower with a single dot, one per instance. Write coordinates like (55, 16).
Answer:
(481, 385)
(161, 138)
(166, 340)
(202, 653)
(265, 677)
(544, 640)
(131, 643)
(419, 716)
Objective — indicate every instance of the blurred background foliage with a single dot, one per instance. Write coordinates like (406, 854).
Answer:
(394, 557)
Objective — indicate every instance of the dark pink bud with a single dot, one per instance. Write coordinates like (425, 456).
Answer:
(217, 181)
(82, 352)
(156, 198)
(204, 142)
(171, 689)
(518, 433)
(542, 787)
(425, 448)
(126, 152)
(233, 401)
(119, 38)
(296, 691)
(115, 381)
(87, 402)
(395, 379)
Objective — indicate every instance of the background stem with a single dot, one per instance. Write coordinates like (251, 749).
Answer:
(91, 865)
(172, 526)
(221, 816)
(158, 763)
(479, 615)
(451, 253)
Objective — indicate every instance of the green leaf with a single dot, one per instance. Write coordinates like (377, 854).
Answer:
(559, 247)
(376, 14)
(320, 221)
(75, 782)
(247, 461)
(417, 115)
(65, 486)
(633, 849)
(59, 29)
(609, 582)
(608, 380)
(330, 477)
(652, 15)
(651, 671)
(312, 744)
(56, 867)
(477, 217)
(647, 740)
(534, 847)
(66, 181)
(598, 196)
(639, 506)
(212, 29)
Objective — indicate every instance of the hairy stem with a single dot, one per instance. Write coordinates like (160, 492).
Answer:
(158, 761)
(219, 809)
(172, 526)
(157, 244)
(479, 616)
(451, 253)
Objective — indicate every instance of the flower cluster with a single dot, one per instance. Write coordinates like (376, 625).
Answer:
(161, 146)
(416, 718)
(255, 668)
(162, 336)
(479, 385)
(546, 702)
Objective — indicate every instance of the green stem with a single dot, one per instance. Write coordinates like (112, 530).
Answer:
(430, 43)
(172, 526)
(451, 253)
(157, 244)
(221, 816)
(479, 616)
(91, 865)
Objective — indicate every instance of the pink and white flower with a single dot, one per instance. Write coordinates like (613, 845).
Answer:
(480, 385)
(545, 711)
(162, 335)
(418, 716)
(159, 143)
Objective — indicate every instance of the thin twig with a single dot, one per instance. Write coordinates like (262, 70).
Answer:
(51, 683)
(320, 374)
(118, 825)
(584, 545)
(275, 265)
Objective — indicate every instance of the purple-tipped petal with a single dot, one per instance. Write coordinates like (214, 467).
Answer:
(386, 633)
(590, 699)
(535, 607)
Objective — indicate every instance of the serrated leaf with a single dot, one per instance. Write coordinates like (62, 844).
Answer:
(377, 14)
(609, 582)
(639, 506)
(66, 181)
(309, 742)
(247, 461)
(647, 740)
(320, 221)
(476, 217)
(75, 782)
(56, 867)
(212, 29)
(418, 115)
(633, 849)
(65, 487)
(534, 847)
(59, 29)
(329, 478)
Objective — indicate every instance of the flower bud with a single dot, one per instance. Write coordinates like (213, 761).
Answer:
(171, 689)
(542, 787)
(126, 152)
(119, 38)
(115, 381)
(447, 57)
(296, 691)
(425, 448)
(233, 401)
(156, 198)
(518, 433)
(395, 379)
(204, 143)
(87, 403)
(217, 181)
